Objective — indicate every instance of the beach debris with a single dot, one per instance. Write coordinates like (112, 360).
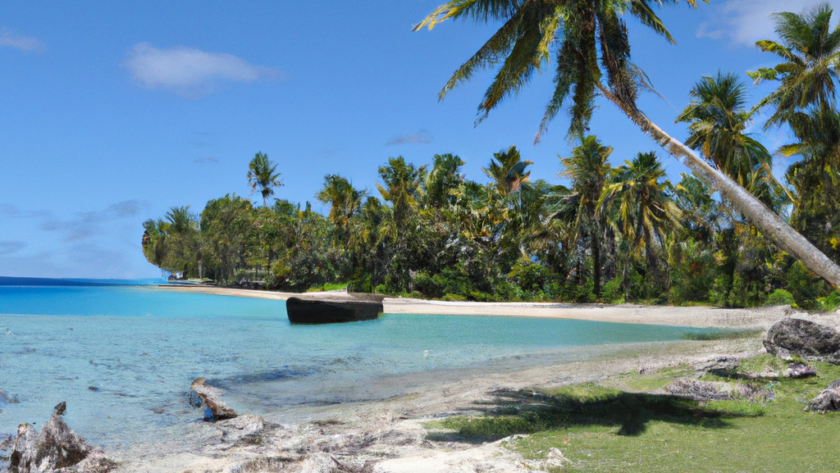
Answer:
(700, 390)
(55, 449)
(828, 400)
(799, 370)
(210, 399)
(808, 340)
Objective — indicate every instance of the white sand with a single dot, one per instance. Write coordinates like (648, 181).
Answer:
(636, 314)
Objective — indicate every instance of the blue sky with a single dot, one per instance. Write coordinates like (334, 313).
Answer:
(112, 112)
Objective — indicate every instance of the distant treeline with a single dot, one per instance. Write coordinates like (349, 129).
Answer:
(617, 233)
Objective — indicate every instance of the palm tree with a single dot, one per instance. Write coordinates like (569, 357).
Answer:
(344, 200)
(443, 180)
(261, 175)
(810, 49)
(717, 120)
(402, 185)
(507, 170)
(587, 167)
(644, 210)
(592, 55)
(816, 177)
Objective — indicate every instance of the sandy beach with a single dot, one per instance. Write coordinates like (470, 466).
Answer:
(699, 316)
(392, 434)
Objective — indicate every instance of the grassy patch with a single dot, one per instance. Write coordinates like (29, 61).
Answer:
(652, 381)
(606, 429)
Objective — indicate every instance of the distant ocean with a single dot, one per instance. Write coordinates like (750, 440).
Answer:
(53, 282)
(123, 354)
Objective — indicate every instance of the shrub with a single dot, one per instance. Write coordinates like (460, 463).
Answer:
(780, 297)
(830, 303)
(453, 297)
(529, 276)
(428, 285)
(612, 292)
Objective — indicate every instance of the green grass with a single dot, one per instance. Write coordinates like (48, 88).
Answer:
(651, 381)
(606, 429)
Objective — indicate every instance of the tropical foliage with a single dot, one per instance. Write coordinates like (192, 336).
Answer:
(616, 233)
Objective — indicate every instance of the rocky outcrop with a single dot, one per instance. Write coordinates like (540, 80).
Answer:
(806, 339)
(245, 429)
(799, 370)
(56, 449)
(700, 390)
(828, 400)
(204, 395)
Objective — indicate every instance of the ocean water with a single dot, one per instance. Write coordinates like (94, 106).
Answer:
(123, 357)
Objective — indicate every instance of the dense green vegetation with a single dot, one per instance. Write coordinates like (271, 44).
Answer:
(616, 233)
(623, 426)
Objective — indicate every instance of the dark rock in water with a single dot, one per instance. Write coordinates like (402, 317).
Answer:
(211, 399)
(799, 370)
(333, 308)
(60, 408)
(6, 398)
(7, 444)
(55, 448)
(699, 390)
(806, 339)
(93, 388)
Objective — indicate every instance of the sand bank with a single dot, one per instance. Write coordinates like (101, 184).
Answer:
(760, 318)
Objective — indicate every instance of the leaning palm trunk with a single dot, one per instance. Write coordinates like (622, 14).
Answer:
(753, 209)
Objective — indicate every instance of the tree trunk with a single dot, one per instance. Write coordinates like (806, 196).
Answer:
(596, 262)
(773, 226)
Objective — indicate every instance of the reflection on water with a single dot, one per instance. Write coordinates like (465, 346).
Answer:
(123, 358)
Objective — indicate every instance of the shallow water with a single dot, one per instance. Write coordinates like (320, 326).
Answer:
(123, 357)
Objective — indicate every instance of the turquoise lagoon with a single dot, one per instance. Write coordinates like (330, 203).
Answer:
(123, 357)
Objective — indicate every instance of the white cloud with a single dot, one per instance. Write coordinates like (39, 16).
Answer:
(743, 22)
(24, 43)
(189, 71)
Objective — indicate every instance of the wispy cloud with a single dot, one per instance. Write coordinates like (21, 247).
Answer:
(24, 43)
(8, 211)
(188, 71)
(8, 247)
(205, 160)
(743, 22)
(85, 225)
(421, 137)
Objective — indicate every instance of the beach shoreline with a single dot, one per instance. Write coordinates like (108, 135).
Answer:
(693, 316)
